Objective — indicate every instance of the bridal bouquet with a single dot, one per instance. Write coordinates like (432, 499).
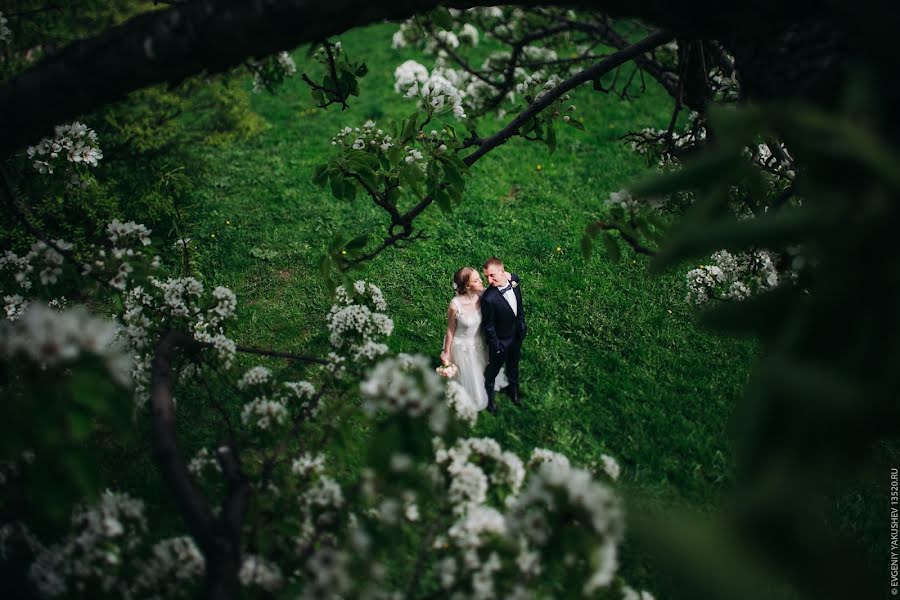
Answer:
(449, 370)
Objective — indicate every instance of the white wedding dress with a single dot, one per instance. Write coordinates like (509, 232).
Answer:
(468, 351)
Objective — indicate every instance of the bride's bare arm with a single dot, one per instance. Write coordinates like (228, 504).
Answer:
(448, 337)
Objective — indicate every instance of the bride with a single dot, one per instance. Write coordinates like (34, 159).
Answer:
(464, 343)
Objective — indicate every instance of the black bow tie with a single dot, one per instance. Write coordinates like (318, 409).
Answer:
(506, 289)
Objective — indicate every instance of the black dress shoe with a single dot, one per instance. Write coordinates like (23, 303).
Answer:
(491, 406)
(514, 396)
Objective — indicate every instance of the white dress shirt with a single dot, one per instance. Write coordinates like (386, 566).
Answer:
(510, 297)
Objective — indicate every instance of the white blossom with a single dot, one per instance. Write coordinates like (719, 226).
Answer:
(49, 337)
(117, 230)
(5, 32)
(448, 38)
(732, 277)
(407, 74)
(357, 324)
(258, 572)
(469, 34)
(602, 515)
(14, 306)
(202, 461)
(629, 593)
(437, 91)
(477, 524)
(287, 64)
(264, 412)
(461, 403)
(541, 455)
(468, 481)
(406, 384)
(308, 464)
(173, 564)
(257, 375)
(76, 143)
(610, 466)
(102, 536)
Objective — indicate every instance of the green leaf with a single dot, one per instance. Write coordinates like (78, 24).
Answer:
(451, 131)
(357, 243)
(320, 175)
(364, 165)
(337, 185)
(764, 315)
(656, 220)
(711, 166)
(837, 140)
(456, 161)
(453, 176)
(442, 18)
(80, 424)
(409, 128)
(336, 243)
(349, 190)
(395, 155)
(325, 265)
(350, 83)
(528, 126)
(699, 237)
(443, 200)
(432, 169)
(411, 174)
(550, 139)
(757, 187)
(574, 123)
(364, 158)
(342, 188)
(735, 126)
(612, 247)
(586, 246)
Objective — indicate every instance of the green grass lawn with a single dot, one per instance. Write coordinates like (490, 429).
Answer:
(614, 362)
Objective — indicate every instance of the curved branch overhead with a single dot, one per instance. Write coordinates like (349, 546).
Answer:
(169, 45)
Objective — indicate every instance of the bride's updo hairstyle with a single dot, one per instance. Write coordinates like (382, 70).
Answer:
(461, 280)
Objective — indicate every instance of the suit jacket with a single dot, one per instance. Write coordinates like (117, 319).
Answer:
(501, 326)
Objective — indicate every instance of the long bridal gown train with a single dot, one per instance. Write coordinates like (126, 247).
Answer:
(469, 353)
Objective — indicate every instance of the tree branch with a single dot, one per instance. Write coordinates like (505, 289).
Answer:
(591, 73)
(167, 46)
(455, 57)
(276, 354)
(486, 145)
(193, 506)
(611, 37)
(13, 204)
(218, 538)
(629, 239)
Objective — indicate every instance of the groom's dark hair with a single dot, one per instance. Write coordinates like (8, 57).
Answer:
(492, 261)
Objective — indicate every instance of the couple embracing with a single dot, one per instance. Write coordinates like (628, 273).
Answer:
(485, 330)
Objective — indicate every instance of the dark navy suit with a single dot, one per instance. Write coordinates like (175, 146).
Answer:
(504, 330)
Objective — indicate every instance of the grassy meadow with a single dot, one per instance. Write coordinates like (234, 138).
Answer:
(614, 362)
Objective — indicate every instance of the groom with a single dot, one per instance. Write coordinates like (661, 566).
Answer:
(503, 320)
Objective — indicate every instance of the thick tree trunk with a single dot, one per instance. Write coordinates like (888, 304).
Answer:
(169, 45)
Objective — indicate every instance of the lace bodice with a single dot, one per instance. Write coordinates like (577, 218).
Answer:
(468, 323)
